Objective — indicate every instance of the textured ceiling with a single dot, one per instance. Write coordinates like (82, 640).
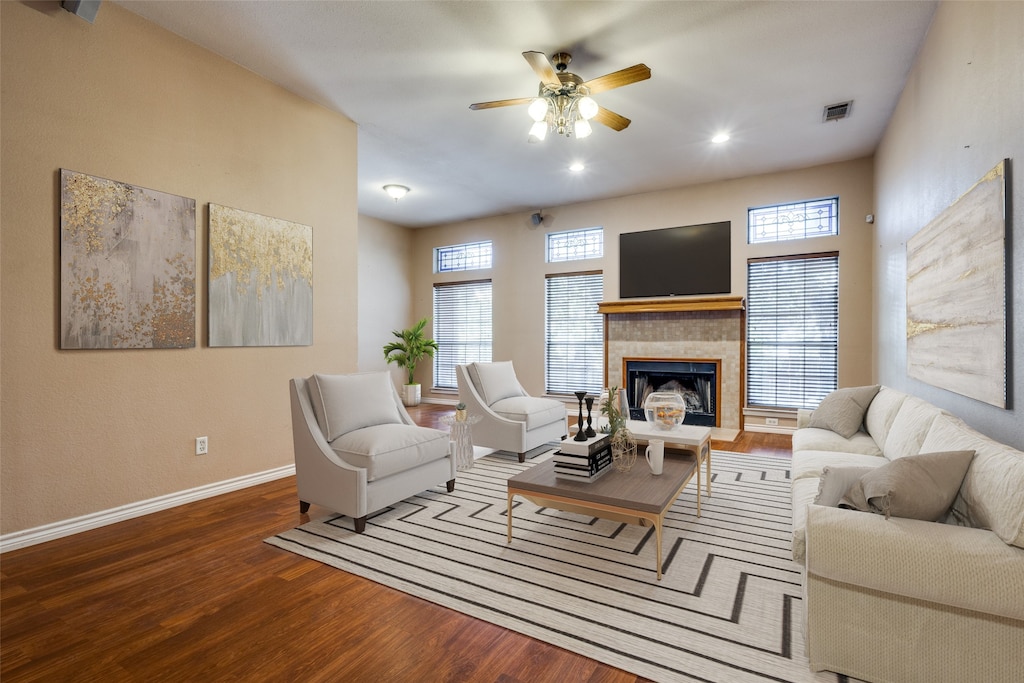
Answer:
(406, 73)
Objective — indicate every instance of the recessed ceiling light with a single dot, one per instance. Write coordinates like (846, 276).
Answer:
(576, 167)
(720, 138)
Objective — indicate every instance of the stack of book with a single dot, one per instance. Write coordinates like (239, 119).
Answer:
(584, 460)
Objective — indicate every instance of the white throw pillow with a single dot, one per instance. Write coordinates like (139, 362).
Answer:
(496, 381)
(344, 403)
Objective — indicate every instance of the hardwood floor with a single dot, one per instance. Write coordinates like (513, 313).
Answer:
(193, 593)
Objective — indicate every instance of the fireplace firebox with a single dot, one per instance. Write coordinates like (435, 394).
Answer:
(695, 380)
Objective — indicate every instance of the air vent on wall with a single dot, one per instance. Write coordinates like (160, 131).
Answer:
(834, 112)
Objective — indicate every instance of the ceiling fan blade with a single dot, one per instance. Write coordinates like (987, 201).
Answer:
(501, 103)
(611, 119)
(542, 67)
(617, 79)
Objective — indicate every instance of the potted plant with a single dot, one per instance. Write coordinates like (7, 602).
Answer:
(623, 443)
(411, 347)
(460, 412)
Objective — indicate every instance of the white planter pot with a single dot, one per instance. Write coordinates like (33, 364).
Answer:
(411, 394)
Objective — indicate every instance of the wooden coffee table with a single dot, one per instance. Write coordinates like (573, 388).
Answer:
(636, 497)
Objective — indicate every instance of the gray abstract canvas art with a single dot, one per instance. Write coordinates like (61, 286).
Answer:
(956, 295)
(261, 280)
(127, 262)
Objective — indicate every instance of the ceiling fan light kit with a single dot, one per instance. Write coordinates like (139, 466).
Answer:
(564, 103)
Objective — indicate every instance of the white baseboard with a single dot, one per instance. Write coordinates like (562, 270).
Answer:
(49, 532)
(769, 430)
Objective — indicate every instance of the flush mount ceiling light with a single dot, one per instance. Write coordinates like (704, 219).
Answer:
(720, 138)
(576, 167)
(563, 103)
(396, 192)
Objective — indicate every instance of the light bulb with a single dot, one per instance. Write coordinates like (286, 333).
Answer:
(583, 128)
(588, 108)
(538, 109)
(537, 131)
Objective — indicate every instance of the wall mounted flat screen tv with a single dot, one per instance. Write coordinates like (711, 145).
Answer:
(687, 260)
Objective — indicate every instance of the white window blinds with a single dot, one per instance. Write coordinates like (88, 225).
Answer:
(462, 328)
(574, 333)
(792, 330)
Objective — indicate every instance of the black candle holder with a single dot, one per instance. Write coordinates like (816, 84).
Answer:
(581, 433)
(590, 418)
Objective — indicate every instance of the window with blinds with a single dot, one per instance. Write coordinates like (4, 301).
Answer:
(573, 333)
(462, 328)
(792, 330)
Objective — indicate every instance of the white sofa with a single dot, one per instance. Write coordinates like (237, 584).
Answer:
(903, 600)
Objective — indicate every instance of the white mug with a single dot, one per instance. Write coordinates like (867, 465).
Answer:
(655, 455)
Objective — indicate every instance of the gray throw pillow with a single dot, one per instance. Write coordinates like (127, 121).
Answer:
(843, 410)
(836, 481)
(914, 487)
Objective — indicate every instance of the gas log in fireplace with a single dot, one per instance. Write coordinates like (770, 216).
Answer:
(697, 380)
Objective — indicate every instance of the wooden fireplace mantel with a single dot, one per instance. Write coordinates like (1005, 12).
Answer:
(713, 303)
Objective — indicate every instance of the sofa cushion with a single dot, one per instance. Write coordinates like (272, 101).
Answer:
(992, 494)
(909, 428)
(882, 412)
(343, 403)
(386, 449)
(810, 464)
(533, 410)
(495, 381)
(913, 487)
(812, 439)
(843, 410)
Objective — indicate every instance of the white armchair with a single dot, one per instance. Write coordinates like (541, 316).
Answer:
(512, 420)
(356, 448)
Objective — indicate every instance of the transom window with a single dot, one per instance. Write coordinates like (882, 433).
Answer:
(462, 328)
(574, 245)
(458, 257)
(797, 221)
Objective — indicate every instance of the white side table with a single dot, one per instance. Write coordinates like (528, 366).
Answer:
(462, 438)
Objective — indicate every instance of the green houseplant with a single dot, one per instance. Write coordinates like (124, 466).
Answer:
(410, 348)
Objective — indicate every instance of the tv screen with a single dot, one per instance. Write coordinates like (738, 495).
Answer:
(691, 259)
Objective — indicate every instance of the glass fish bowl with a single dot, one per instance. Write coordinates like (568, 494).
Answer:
(665, 409)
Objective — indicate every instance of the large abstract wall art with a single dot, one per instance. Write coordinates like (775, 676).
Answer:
(261, 280)
(127, 262)
(956, 295)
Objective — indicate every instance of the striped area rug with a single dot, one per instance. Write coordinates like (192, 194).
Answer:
(728, 609)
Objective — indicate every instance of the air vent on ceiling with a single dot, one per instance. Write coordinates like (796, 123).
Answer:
(834, 112)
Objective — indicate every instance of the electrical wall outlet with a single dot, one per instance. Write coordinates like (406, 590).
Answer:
(201, 445)
(771, 421)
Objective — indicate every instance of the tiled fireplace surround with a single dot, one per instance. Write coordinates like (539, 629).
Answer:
(680, 329)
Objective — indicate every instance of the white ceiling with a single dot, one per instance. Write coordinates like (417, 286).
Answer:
(406, 73)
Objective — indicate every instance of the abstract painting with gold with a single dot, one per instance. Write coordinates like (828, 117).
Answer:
(956, 295)
(261, 280)
(127, 260)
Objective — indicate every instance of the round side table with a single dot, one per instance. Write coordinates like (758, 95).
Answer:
(462, 438)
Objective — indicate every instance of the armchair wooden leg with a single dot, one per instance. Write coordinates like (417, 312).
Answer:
(360, 524)
(451, 485)
(522, 457)
(303, 507)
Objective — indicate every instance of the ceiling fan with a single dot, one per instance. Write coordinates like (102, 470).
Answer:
(563, 103)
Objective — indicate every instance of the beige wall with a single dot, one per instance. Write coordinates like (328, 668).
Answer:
(960, 114)
(87, 431)
(385, 293)
(519, 268)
